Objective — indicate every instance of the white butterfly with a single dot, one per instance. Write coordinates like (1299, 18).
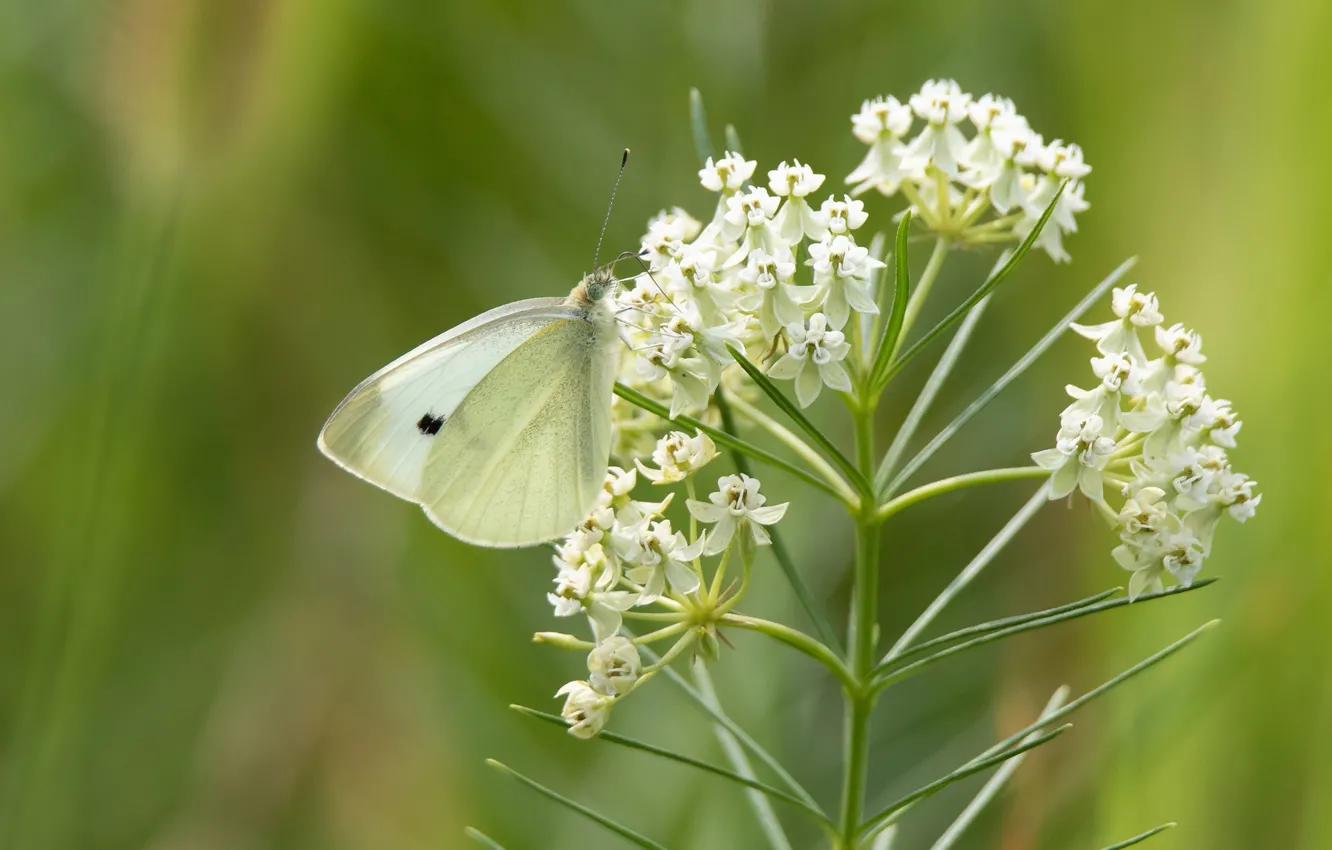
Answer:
(500, 428)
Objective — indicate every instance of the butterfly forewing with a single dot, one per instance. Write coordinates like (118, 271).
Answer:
(523, 457)
(385, 430)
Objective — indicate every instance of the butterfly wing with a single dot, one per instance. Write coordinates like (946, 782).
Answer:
(380, 432)
(524, 456)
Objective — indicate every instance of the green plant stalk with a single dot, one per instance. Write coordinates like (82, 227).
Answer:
(798, 641)
(861, 637)
(958, 482)
(923, 287)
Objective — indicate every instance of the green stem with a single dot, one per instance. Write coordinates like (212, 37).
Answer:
(958, 482)
(922, 291)
(798, 641)
(861, 639)
(795, 444)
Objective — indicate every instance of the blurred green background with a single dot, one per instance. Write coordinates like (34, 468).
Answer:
(217, 216)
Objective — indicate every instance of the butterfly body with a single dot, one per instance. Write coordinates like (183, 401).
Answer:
(498, 428)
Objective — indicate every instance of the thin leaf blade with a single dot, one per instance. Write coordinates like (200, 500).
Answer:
(698, 123)
(1021, 366)
(723, 438)
(680, 758)
(901, 292)
(1138, 839)
(969, 769)
(985, 289)
(794, 413)
(481, 838)
(578, 808)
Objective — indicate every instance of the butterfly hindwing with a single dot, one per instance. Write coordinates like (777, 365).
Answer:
(522, 458)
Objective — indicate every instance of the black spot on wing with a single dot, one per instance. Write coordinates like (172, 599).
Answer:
(429, 424)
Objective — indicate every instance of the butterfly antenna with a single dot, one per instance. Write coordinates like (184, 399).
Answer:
(624, 160)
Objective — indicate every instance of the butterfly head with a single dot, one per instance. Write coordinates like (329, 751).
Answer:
(594, 287)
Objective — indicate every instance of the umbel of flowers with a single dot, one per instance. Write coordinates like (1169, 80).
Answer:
(1150, 433)
(778, 272)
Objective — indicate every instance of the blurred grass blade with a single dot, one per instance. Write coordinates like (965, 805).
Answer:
(698, 122)
(921, 406)
(995, 785)
(970, 571)
(713, 708)
(733, 140)
(792, 410)
(1073, 706)
(969, 769)
(720, 437)
(1007, 378)
(793, 577)
(885, 840)
(901, 292)
(481, 838)
(1039, 623)
(763, 811)
(619, 829)
(985, 289)
(1138, 839)
(651, 749)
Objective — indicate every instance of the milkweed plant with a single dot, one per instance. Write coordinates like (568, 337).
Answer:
(738, 320)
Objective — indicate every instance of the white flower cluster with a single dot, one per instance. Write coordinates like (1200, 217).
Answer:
(627, 555)
(1151, 431)
(770, 271)
(991, 187)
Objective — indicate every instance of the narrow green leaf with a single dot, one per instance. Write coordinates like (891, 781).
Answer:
(617, 828)
(993, 786)
(764, 813)
(969, 769)
(631, 743)
(792, 410)
(698, 121)
(724, 720)
(985, 289)
(901, 293)
(481, 838)
(1138, 839)
(1007, 378)
(925, 398)
(1073, 706)
(722, 438)
(804, 595)
(1005, 622)
(970, 571)
(733, 140)
(883, 678)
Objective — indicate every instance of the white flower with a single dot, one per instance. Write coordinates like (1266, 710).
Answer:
(942, 104)
(841, 217)
(736, 505)
(614, 666)
(678, 456)
(1061, 220)
(1011, 138)
(1135, 310)
(881, 123)
(1078, 459)
(796, 219)
(585, 709)
(660, 557)
(775, 300)
(813, 358)
(841, 274)
(690, 376)
(574, 594)
(987, 112)
(727, 174)
(751, 214)
(1062, 161)
(795, 181)
(1181, 343)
